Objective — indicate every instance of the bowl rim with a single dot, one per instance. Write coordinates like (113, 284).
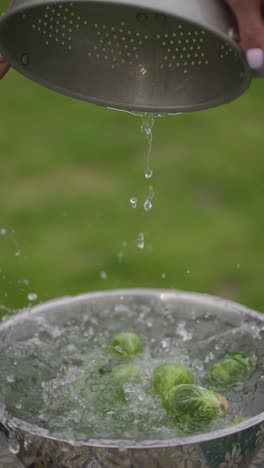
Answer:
(33, 430)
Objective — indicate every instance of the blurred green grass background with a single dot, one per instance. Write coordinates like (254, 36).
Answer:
(68, 170)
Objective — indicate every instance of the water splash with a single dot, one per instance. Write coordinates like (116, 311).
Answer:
(13, 444)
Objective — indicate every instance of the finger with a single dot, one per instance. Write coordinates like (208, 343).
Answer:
(251, 27)
(4, 67)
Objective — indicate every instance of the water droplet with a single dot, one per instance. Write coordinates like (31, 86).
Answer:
(120, 256)
(163, 276)
(10, 379)
(13, 444)
(151, 193)
(32, 297)
(133, 202)
(147, 205)
(18, 253)
(141, 241)
(18, 405)
(124, 244)
(103, 275)
(142, 70)
(148, 174)
(188, 272)
(3, 232)
(238, 266)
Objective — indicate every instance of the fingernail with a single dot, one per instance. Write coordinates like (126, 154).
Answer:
(255, 58)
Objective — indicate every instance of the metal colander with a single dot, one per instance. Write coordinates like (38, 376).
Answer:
(156, 55)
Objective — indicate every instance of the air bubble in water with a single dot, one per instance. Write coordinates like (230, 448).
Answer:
(32, 297)
(147, 205)
(133, 202)
(148, 173)
(141, 241)
(103, 275)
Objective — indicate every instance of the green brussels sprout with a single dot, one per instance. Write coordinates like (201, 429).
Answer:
(193, 406)
(126, 345)
(103, 387)
(167, 376)
(231, 369)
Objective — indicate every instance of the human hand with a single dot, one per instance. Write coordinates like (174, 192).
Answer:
(251, 27)
(4, 67)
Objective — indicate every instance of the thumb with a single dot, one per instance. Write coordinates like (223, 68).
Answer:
(251, 28)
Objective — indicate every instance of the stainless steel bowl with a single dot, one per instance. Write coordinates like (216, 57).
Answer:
(232, 447)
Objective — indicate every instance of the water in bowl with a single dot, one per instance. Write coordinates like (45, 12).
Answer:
(43, 359)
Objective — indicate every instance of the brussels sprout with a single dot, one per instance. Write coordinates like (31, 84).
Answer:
(231, 369)
(193, 406)
(126, 345)
(103, 387)
(167, 376)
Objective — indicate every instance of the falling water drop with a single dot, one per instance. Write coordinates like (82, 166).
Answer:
(3, 232)
(147, 125)
(120, 256)
(133, 202)
(103, 275)
(32, 297)
(141, 241)
(147, 205)
(148, 174)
